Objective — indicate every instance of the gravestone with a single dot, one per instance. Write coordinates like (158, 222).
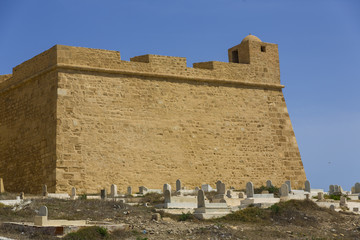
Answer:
(113, 190)
(44, 190)
(343, 201)
(43, 211)
(200, 199)
(73, 193)
(357, 187)
(289, 185)
(166, 187)
(320, 196)
(249, 189)
(307, 186)
(129, 190)
(22, 196)
(2, 189)
(331, 189)
(336, 188)
(353, 189)
(103, 194)
(229, 193)
(284, 190)
(269, 184)
(178, 185)
(167, 195)
(355, 209)
(241, 195)
(220, 187)
(332, 207)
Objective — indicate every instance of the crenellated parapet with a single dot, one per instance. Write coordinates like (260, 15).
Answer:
(252, 62)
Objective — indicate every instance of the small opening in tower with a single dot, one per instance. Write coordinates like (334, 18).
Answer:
(235, 56)
(263, 48)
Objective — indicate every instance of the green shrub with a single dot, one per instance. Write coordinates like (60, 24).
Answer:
(83, 197)
(186, 216)
(88, 233)
(250, 214)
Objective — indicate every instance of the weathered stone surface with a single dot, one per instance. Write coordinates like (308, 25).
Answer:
(288, 183)
(43, 211)
(320, 196)
(284, 190)
(129, 190)
(331, 189)
(220, 187)
(178, 185)
(89, 110)
(167, 195)
(269, 184)
(249, 189)
(200, 199)
(103, 194)
(166, 187)
(113, 190)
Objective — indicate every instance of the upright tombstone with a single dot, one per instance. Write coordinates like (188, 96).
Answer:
(229, 193)
(336, 188)
(129, 190)
(332, 207)
(73, 193)
(103, 194)
(113, 190)
(44, 190)
(269, 184)
(343, 201)
(241, 195)
(143, 190)
(178, 185)
(284, 190)
(166, 187)
(357, 187)
(200, 199)
(2, 189)
(320, 196)
(331, 189)
(307, 186)
(249, 189)
(167, 195)
(289, 185)
(43, 211)
(220, 187)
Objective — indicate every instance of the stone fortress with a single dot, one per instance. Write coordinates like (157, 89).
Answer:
(81, 117)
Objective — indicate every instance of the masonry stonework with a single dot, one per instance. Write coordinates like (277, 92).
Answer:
(80, 117)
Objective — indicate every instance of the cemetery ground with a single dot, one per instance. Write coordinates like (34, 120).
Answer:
(294, 219)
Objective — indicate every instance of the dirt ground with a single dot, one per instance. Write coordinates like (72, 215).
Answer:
(290, 220)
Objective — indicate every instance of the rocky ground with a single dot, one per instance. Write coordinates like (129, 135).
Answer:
(289, 220)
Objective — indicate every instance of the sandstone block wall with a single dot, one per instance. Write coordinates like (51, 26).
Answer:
(148, 121)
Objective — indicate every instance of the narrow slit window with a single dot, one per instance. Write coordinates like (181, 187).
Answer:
(235, 56)
(263, 49)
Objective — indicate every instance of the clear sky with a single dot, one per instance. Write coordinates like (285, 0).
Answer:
(319, 47)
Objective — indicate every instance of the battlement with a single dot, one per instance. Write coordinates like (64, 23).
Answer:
(250, 62)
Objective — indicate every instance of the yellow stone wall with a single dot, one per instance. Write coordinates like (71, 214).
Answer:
(152, 120)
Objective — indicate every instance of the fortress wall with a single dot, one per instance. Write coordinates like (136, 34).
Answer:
(139, 130)
(27, 131)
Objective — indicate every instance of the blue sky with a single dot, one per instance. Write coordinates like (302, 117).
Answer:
(319, 47)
